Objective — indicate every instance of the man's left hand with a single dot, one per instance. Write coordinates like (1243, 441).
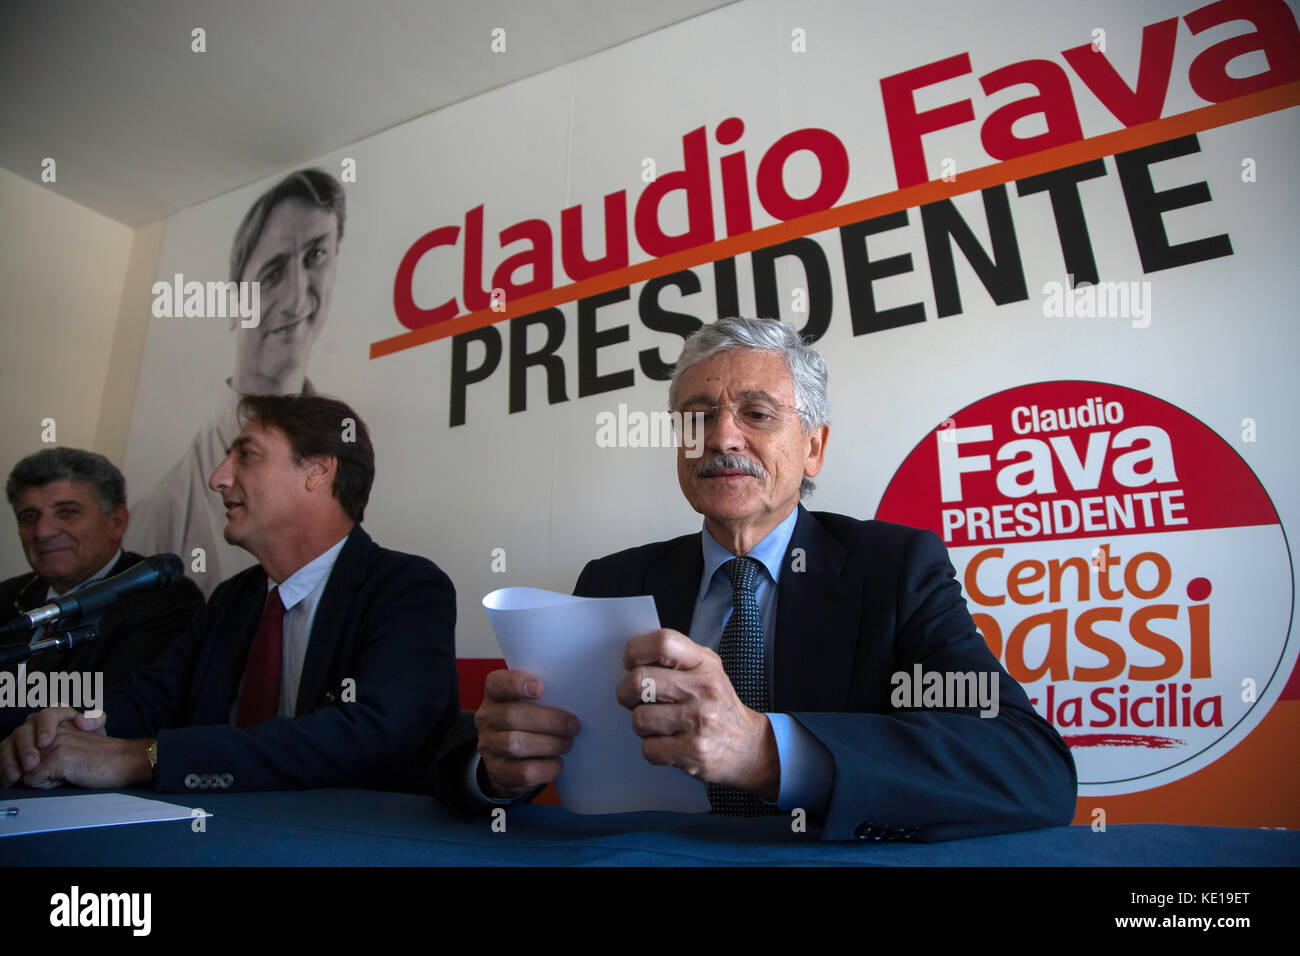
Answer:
(89, 759)
(688, 714)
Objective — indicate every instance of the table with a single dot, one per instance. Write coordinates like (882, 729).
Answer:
(370, 828)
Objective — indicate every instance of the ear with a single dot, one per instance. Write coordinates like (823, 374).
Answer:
(320, 470)
(812, 465)
(118, 520)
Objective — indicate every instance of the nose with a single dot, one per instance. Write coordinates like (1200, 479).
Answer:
(222, 477)
(297, 290)
(47, 527)
(727, 435)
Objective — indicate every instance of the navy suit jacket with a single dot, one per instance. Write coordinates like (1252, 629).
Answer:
(873, 599)
(378, 685)
(133, 631)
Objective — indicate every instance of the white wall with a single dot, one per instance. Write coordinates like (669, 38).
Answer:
(62, 273)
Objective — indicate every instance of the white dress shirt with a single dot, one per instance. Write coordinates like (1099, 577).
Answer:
(51, 595)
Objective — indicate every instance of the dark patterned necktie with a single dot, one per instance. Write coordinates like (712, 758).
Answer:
(742, 654)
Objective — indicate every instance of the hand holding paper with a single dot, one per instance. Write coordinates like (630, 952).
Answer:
(520, 741)
(574, 647)
(687, 711)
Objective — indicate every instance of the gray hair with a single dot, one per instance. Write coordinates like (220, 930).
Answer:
(107, 486)
(806, 365)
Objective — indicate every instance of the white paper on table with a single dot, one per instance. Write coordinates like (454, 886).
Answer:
(575, 645)
(44, 814)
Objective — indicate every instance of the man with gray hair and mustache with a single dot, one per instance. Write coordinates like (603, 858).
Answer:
(782, 631)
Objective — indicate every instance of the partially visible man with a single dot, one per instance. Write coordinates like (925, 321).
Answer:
(288, 242)
(783, 631)
(71, 511)
(329, 664)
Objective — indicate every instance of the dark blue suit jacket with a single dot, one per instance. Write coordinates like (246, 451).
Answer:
(385, 622)
(133, 632)
(875, 598)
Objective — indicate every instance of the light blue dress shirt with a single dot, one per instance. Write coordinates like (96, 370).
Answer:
(301, 593)
(807, 768)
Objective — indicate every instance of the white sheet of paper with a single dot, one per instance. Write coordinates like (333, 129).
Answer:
(43, 814)
(575, 645)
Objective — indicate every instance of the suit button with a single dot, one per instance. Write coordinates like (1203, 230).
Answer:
(225, 780)
(191, 781)
(867, 831)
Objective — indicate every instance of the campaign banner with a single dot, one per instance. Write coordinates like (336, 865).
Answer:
(1122, 561)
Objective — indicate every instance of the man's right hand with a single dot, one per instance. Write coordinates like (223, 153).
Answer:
(20, 752)
(520, 741)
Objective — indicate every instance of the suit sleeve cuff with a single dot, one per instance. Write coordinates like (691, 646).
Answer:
(807, 767)
(476, 792)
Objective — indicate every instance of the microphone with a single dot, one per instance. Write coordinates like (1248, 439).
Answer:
(156, 573)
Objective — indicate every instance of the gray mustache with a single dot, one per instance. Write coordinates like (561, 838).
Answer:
(717, 463)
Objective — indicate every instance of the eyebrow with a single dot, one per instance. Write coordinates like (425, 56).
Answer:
(243, 441)
(281, 258)
(66, 503)
(747, 395)
(275, 262)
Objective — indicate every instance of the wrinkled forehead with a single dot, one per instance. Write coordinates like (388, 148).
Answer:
(257, 434)
(54, 493)
(737, 375)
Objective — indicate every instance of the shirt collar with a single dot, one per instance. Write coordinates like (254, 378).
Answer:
(97, 576)
(770, 552)
(305, 580)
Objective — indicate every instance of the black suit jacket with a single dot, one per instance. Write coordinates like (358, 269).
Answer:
(378, 685)
(873, 599)
(133, 631)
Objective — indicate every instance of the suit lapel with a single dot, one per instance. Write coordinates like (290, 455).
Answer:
(675, 583)
(30, 595)
(816, 628)
(221, 665)
(345, 579)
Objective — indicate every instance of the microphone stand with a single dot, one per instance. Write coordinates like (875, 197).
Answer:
(60, 638)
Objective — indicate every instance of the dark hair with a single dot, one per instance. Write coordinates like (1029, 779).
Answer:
(314, 186)
(317, 425)
(107, 485)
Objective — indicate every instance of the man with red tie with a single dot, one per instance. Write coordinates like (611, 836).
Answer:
(329, 664)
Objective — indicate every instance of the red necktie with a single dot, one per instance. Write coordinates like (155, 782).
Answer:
(260, 698)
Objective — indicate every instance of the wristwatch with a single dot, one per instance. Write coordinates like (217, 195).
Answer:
(153, 758)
